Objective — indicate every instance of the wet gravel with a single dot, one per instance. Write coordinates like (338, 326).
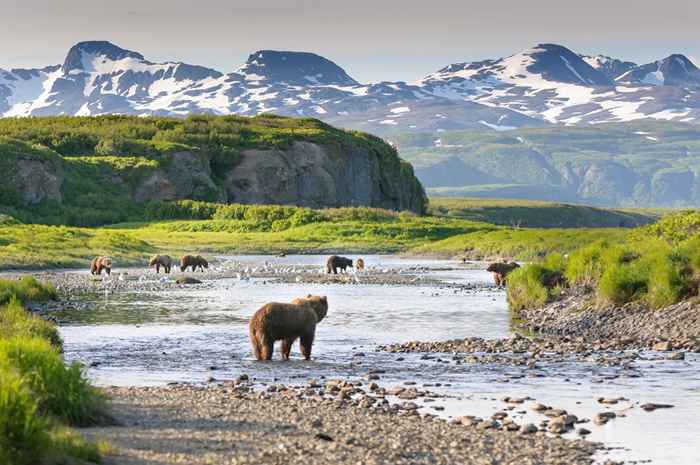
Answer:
(233, 423)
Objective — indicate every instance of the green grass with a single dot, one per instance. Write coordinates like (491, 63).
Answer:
(228, 229)
(657, 265)
(538, 214)
(40, 397)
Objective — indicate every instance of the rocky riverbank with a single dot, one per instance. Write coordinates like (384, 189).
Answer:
(576, 314)
(233, 423)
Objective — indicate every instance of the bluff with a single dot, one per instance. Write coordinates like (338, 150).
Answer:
(98, 170)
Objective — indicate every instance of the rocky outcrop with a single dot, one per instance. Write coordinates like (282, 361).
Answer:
(187, 175)
(311, 175)
(306, 174)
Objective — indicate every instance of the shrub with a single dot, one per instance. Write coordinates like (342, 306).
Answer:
(61, 392)
(25, 289)
(622, 282)
(23, 434)
(669, 278)
(525, 287)
(17, 322)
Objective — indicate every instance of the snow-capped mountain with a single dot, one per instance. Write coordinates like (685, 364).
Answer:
(611, 67)
(675, 70)
(545, 84)
(553, 83)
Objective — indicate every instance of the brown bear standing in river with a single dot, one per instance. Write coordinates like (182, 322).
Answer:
(500, 270)
(161, 260)
(334, 262)
(101, 263)
(194, 262)
(286, 322)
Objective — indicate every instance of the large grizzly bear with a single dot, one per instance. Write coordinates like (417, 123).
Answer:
(334, 262)
(101, 263)
(286, 322)
(194, 262)
(161, 260)
(500, 270)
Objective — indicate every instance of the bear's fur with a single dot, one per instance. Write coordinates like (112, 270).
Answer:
(334, 262)
(286, 322)
(101, 263)
(500, 270)
(359, 264)
(187, 280)
(161, 260)
(194, 262)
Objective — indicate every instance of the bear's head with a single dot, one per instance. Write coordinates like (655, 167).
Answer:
(154, 260)
(202, 261)
(319, 305)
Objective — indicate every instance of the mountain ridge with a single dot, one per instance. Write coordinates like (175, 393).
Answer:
(545, 84)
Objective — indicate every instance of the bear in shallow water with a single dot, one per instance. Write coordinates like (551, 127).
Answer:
(286, 322)
(334, 262)
(161, 260)
(500, 270)
(101, 263)
(194, 262)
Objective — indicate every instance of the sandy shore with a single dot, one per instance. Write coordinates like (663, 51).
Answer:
(230, 424)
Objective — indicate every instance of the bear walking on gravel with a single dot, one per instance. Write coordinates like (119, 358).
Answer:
(161, 261)
(101, 263)
(194, 262)
(334, 262)
(500, 270)
(286, 322)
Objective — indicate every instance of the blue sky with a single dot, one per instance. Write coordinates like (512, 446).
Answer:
(373, 40)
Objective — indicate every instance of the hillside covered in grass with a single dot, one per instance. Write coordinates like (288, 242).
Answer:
(539, 214)
(88, 171)
(636, 164)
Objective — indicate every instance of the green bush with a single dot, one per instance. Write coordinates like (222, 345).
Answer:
(622, 283)
(25, 289)
(61, 392)
(525, 287)
(17, 322)
(24, 437)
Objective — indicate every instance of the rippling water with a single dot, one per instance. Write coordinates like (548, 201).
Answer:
(191, 334)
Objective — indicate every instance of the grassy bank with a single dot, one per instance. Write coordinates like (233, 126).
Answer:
(657, 265)
(211, 228)
(540, 214)
(40, 397)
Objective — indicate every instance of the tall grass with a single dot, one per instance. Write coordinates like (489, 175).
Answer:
(39, 395)
(657, 266)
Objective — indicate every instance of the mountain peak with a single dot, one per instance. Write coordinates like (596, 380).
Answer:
(557, 63)
(302, 68)
(103, 48)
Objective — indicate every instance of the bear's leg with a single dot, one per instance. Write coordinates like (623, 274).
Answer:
(287, 347)
(157, 268)
(305, 343)
(335, 270)
(267, 348)
(255, 344)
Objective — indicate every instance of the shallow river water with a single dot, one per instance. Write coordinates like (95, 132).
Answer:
(152, 337)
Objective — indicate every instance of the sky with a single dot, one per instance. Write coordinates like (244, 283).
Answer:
(373, 40)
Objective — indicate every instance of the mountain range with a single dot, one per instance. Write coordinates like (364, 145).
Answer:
(540, 86)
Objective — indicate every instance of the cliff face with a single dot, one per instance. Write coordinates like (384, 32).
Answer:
(305, 174)
(310, 175)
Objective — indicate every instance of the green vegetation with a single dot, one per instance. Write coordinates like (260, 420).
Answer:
(102, 161)
(640, 163)
(40, 397)
(538, 214)
(658, 265)
(189, 226)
